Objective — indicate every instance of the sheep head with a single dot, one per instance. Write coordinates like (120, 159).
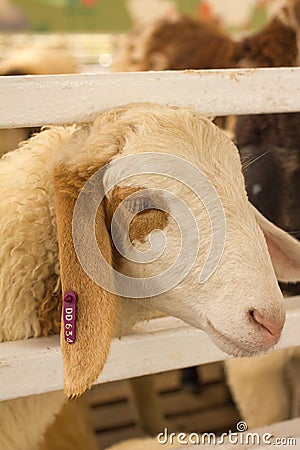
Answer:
(154, 209)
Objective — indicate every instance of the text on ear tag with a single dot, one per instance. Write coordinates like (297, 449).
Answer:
(69, 316)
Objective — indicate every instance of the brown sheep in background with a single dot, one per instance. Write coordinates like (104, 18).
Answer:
(186, 43)
(177, 44)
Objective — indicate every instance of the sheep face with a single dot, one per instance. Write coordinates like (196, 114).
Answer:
(152, 215)
(178, 175)
(238, 303)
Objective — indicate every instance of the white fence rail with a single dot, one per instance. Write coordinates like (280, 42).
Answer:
(60, 99)
(35, 366)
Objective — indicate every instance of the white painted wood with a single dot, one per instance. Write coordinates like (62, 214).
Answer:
(60, 99)
(35, 365)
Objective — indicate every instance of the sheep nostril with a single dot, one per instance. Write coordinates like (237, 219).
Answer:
(272, 326)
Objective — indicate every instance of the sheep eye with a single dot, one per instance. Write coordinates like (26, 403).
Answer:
(141, 204)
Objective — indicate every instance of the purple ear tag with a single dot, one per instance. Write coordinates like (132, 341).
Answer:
(69, 316)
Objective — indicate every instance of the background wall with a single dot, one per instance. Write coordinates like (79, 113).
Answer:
(114, 16)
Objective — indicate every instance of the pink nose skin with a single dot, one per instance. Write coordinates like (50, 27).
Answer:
(270, 328)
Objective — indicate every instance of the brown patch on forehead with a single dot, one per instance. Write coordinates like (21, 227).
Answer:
(144, 221)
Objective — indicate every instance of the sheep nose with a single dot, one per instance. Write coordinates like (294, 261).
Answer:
(270, 328)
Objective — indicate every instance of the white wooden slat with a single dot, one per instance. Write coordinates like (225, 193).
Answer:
(35, 365)
(60, 99)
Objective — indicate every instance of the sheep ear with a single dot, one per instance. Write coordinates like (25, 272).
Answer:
(283, 248)
(95, 308)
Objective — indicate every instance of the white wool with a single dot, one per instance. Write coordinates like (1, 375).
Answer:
(28, 249)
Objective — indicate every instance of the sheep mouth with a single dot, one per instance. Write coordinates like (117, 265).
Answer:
(230, 345)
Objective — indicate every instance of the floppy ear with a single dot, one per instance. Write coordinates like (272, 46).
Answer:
(88, 311)
(283, 248)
